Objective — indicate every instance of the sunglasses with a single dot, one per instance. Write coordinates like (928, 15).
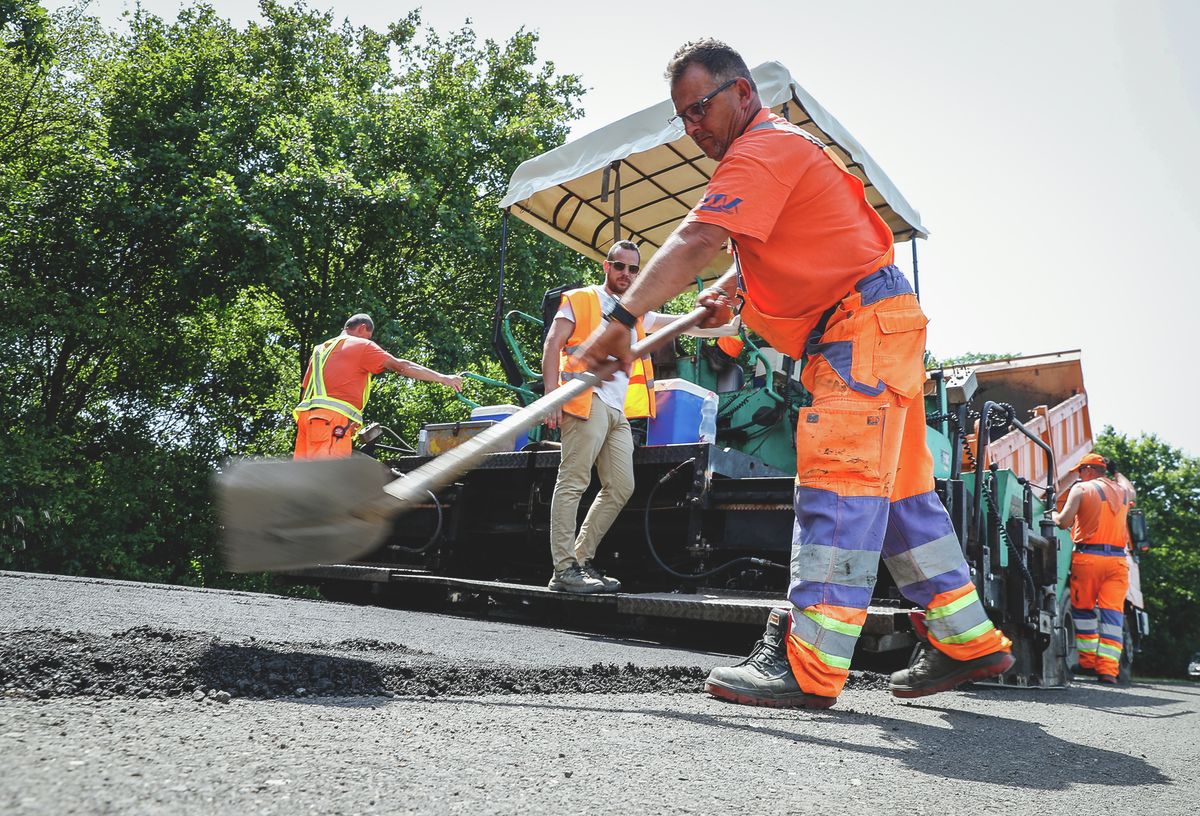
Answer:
(620, 267)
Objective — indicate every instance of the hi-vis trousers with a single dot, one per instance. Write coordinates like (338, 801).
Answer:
(864, 485)
(1099, 583)
(323, 434)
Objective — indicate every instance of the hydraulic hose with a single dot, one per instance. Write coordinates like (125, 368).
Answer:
(757, 562)
(1014, 553)
(437, 531)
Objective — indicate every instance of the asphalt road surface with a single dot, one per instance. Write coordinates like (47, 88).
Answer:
(133, 698)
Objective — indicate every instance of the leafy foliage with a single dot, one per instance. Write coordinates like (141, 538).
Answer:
(970, 358)
(186, 207)
(1168, 492)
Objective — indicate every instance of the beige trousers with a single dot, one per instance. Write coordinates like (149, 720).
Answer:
(603, 439)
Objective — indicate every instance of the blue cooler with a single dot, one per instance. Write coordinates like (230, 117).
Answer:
(685, 413)
(499, 413)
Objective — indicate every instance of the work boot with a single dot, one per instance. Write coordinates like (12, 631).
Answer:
(610, 584)
(933, 671)
(1106, 679)
(765, 677)
(573, 579)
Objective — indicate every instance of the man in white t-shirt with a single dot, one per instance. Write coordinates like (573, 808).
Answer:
(594, 427)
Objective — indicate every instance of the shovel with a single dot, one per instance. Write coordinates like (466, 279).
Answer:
(280, 514)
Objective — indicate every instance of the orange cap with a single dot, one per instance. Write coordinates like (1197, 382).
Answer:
(1093, 459)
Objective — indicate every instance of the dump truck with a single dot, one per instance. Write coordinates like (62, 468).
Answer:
(706, 536)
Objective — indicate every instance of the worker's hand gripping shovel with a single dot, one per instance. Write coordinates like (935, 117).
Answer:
(282, 514)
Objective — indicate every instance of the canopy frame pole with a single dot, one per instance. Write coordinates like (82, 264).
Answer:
(511, 370)
(617, 201)
(503, 258)
(916, 269)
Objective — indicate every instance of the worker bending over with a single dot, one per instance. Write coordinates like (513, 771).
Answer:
(818, 281)
(337, 384)
(1096, 511)
(594, 426)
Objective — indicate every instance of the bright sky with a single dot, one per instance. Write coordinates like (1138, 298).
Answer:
(1050, 147)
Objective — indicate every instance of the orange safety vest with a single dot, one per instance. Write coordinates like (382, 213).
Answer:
(639, 399)
(1101, 515)
(315, 394)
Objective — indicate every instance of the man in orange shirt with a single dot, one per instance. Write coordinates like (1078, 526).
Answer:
(815, 266)
(1096, 509)
(337, 384)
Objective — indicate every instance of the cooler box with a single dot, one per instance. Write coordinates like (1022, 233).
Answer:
(499, 413)
(684, 413)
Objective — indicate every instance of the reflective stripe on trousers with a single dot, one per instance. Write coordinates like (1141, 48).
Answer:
(1099, 584)
(865, 488)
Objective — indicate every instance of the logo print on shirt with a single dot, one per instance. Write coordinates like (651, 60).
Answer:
(720, 203)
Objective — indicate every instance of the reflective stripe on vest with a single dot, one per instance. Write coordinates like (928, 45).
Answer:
(639, 398)
(315, 394)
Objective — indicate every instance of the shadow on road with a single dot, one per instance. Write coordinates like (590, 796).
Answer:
(1184, 687)
(261, 671)
(1091, 697)
(970, 746)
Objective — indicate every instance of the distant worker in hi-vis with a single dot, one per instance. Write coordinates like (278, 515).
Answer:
(594, 427)
(1096, 510)
(337, 384)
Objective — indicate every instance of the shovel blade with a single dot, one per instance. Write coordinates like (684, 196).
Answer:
(281, 514)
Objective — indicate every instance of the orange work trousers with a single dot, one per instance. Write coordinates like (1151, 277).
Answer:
(1099, 584)
(864, 489)
(323, 434)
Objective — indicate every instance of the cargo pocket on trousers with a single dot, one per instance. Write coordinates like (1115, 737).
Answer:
(319, 431)
(839, 449)
(899, 359)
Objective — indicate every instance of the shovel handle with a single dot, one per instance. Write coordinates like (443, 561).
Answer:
(444, 469)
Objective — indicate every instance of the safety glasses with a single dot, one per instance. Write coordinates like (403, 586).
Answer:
(695, 112)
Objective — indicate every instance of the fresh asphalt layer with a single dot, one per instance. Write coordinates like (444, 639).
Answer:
(562, 736)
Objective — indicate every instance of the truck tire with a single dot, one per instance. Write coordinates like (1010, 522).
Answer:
(1069, 652)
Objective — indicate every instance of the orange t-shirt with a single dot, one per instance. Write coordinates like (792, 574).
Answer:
(805, 232)
(347, 368)
(1102, 513)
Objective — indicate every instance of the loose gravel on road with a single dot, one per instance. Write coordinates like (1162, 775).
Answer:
(149, 662)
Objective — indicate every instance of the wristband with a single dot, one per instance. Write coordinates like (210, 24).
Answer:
(622, 315)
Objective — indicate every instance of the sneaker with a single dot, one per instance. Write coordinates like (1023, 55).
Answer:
(932, 671)
(765, 677)
(610, 584)
(574, 579)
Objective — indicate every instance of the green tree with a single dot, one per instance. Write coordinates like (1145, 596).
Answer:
(1168, 492)
(30, 107)
(187, 206)
(970, 358)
